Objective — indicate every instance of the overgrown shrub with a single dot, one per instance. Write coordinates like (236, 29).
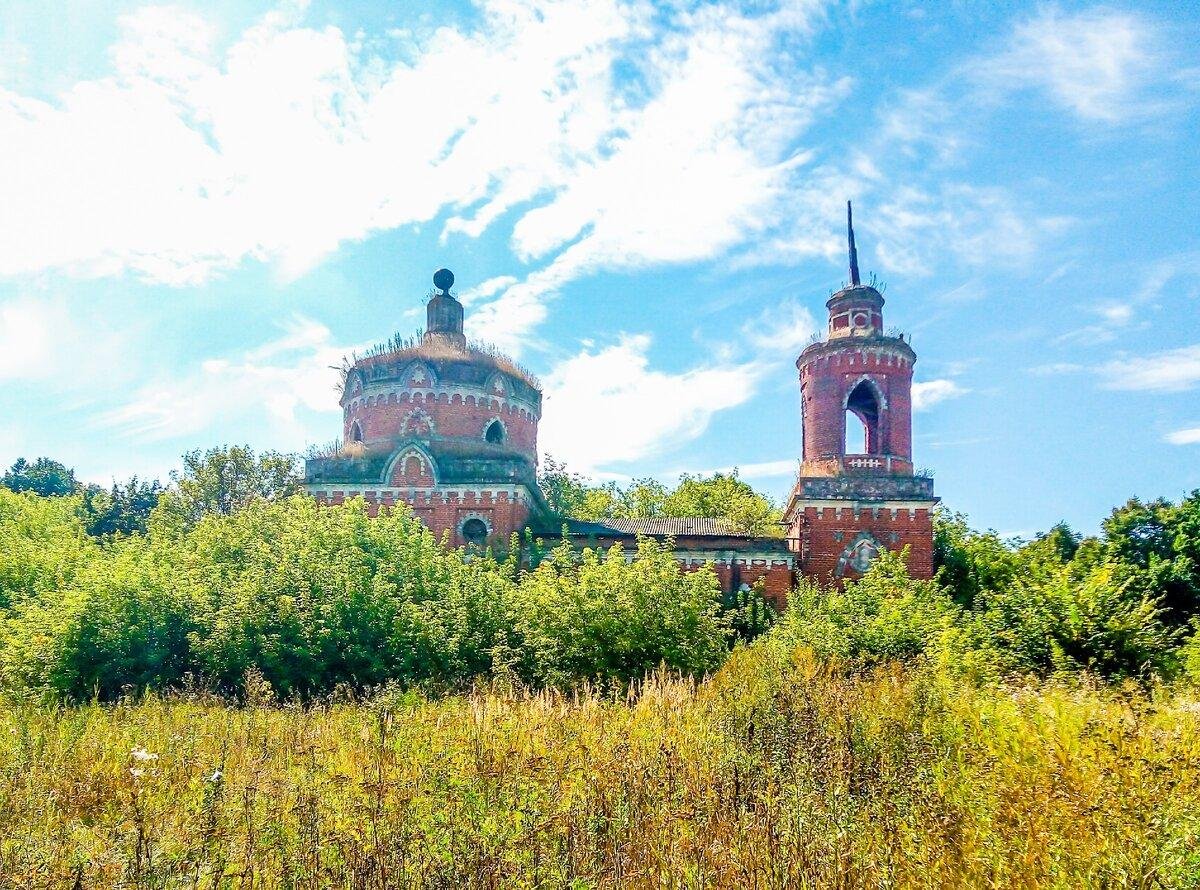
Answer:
(599, 616)
(313, 597)
(883, 616)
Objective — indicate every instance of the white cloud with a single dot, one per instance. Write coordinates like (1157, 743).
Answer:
(183, 163)
(486, 289)
(187, 160)
(1055, 369)
(607, 406)
(980, 226)
(786, 328)
(265, 385)
(31, 333)
(1172, 370)
(1097, 63)
(928, 393)
(1184, 437)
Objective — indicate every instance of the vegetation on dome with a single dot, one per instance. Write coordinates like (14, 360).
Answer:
(400, 347)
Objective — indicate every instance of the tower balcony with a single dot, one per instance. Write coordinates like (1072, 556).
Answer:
(858, 465)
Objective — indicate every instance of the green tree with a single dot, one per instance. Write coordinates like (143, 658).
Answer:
(44, 476)
(720, 496)
(222, 480)
(123, 510)
(724, 496)
(1157, 547)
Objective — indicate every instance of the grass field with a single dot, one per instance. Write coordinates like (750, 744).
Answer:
(777, 772)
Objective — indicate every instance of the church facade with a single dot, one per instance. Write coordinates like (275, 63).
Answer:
(449, 429)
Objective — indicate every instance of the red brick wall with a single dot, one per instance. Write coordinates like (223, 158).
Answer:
(776, 575)
(822, 534)
(382, 417)
(446, 511)
(827, 379)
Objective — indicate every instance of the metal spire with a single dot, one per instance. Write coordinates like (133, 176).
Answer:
(854, 279)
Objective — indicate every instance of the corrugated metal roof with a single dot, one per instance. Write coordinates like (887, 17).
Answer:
(693, 526)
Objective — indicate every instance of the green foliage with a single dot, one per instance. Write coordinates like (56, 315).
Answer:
(1063, 622)
(310, 598)
(229, 576)
(720, 496)
(44, 476)
(122, 623)
(42, 545)
(222, 480)
(1189, 655)
(882, 616)
(727, 497)
(1060, 602)
(598, 616)
(748, 612)
(123, 511)
(1157, 547)
(314, 597)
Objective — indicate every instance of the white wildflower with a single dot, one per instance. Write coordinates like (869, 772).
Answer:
(216, 776)
(136, 773)
(140, 753)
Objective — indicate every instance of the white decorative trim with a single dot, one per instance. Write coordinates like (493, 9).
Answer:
(400, 492)
(427, 462)
(481, 396)
(418, 372)
(417, 412)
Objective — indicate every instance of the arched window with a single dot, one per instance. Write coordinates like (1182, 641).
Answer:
(862, 421)
(356, 433)
(475, 532)
(494, 432)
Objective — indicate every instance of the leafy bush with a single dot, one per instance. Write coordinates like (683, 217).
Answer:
(313, 597)
(596, 615)
(42, 545)
(885, 615)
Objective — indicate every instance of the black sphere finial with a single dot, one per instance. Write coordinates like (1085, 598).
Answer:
(443, 280)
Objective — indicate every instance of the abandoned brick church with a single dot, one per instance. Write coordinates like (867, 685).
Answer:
(450, 429)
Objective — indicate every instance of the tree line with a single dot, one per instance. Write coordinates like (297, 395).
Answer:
(228, 572)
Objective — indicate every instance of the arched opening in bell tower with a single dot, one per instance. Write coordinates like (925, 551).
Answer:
(863, 411)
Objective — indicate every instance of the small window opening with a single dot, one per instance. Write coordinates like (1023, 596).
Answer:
(474, 532)
(356, 434)
(862, 421)
(495, 432)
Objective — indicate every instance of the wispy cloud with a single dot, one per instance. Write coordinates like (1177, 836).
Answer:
(926, 394)
(608, 406)
(186, 161)
(1100, 64)
(1189, 436)
(263, 388)
(1172, 370)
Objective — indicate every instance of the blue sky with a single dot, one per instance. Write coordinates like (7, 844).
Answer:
(206, 205)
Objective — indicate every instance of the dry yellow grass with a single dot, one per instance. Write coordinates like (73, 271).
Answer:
(767, 775)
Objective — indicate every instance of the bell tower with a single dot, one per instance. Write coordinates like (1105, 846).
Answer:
(856, 493)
